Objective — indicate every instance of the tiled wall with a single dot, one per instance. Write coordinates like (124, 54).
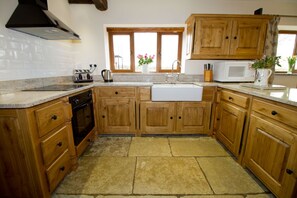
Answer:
(24, 57)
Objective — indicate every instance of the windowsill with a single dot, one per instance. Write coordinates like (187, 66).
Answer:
(285, 74)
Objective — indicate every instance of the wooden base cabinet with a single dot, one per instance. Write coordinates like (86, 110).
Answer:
(117, 116)
(36, 149)
(116, 110)
(175, 117)
(232, 120)
(232, 116)
(271, 155)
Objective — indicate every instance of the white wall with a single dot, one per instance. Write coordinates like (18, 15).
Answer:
(89, 22)
(23, 56)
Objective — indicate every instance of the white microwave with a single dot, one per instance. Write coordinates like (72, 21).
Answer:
(233, 71)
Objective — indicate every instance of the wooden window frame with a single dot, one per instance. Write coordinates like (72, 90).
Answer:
(295, 47)
(130, 31)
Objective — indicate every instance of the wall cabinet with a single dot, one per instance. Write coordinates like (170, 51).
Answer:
(175, 117)
(116, 107)
(272, 147)
(37, 149)
(226, 36)
(232, 117)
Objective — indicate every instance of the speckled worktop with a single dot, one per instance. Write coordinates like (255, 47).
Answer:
(25, 99)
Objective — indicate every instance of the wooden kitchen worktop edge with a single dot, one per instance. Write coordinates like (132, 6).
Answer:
(25, 99)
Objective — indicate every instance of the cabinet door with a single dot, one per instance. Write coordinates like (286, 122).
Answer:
(212, 36)
(248, 37)
(193, 117)
(231, 126)
(157, 117)
(271, 155)
(117, 116)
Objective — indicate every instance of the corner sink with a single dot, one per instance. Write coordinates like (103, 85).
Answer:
(176, 92)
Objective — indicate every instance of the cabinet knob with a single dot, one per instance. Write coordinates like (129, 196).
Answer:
(103, 116)
(230, 98)
(273, 112)
(59, 144)
(290, 172)
(179, 117)
(235, 37)
(62, 168)
(171, 117)
(54, 117)
(227, 37)
(116, 92)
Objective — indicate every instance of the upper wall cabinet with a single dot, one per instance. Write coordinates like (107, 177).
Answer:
(226, 36)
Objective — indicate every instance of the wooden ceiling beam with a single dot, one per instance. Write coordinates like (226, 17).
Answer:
(81, 1)
(99, 4)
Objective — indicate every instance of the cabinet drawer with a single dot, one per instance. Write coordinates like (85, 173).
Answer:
(55, 145)
(58, 170)
(235, 98)
(50, 117)
(276, 112)
(117, 92)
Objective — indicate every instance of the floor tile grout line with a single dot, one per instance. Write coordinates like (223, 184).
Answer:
(131, 139)
(170, 147)
(134, 177)
(204, 175)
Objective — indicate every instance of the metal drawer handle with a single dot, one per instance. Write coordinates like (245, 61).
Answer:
(273, 112)
(59, 144)
(290, 172)
(54, 117)
(62, 168)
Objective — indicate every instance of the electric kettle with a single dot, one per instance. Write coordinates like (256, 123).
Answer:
(106, 75)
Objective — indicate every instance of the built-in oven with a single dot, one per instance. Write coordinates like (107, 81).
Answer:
(82, 115)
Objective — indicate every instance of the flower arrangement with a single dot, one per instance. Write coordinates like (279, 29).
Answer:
(266, 62)
(291, 63)
(145, 59)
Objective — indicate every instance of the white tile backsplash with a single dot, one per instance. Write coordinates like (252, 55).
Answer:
(23, 56)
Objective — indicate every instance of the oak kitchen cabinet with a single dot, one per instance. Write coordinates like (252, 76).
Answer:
(37, 148)
(271, 148)
(226, 36)
(232, 116)
(177, 117)
(116, 107)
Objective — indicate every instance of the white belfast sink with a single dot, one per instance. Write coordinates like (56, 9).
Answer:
(176, 92)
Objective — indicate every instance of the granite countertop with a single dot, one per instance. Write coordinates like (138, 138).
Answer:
(25, 99)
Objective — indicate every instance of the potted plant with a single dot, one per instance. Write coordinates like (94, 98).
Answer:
(263, 69)
(291, 64)
(144, 61)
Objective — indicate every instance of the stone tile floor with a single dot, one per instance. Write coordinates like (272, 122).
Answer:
(165, 167)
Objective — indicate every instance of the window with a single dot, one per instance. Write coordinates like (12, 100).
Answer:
(287, 46)
(126, 43)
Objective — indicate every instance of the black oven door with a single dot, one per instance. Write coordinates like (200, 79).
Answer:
(82, 121)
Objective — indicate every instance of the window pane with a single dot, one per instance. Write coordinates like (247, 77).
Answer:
(285, 48)
(121, 47)
(145, 43)
(169, 51)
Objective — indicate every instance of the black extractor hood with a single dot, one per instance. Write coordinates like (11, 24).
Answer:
(33, 17)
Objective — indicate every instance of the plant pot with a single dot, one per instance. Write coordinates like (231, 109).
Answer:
(145, 68)
(262, 76)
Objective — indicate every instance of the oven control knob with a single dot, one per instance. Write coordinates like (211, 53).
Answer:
(90, 94)
(80, 77)
(76, 101)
